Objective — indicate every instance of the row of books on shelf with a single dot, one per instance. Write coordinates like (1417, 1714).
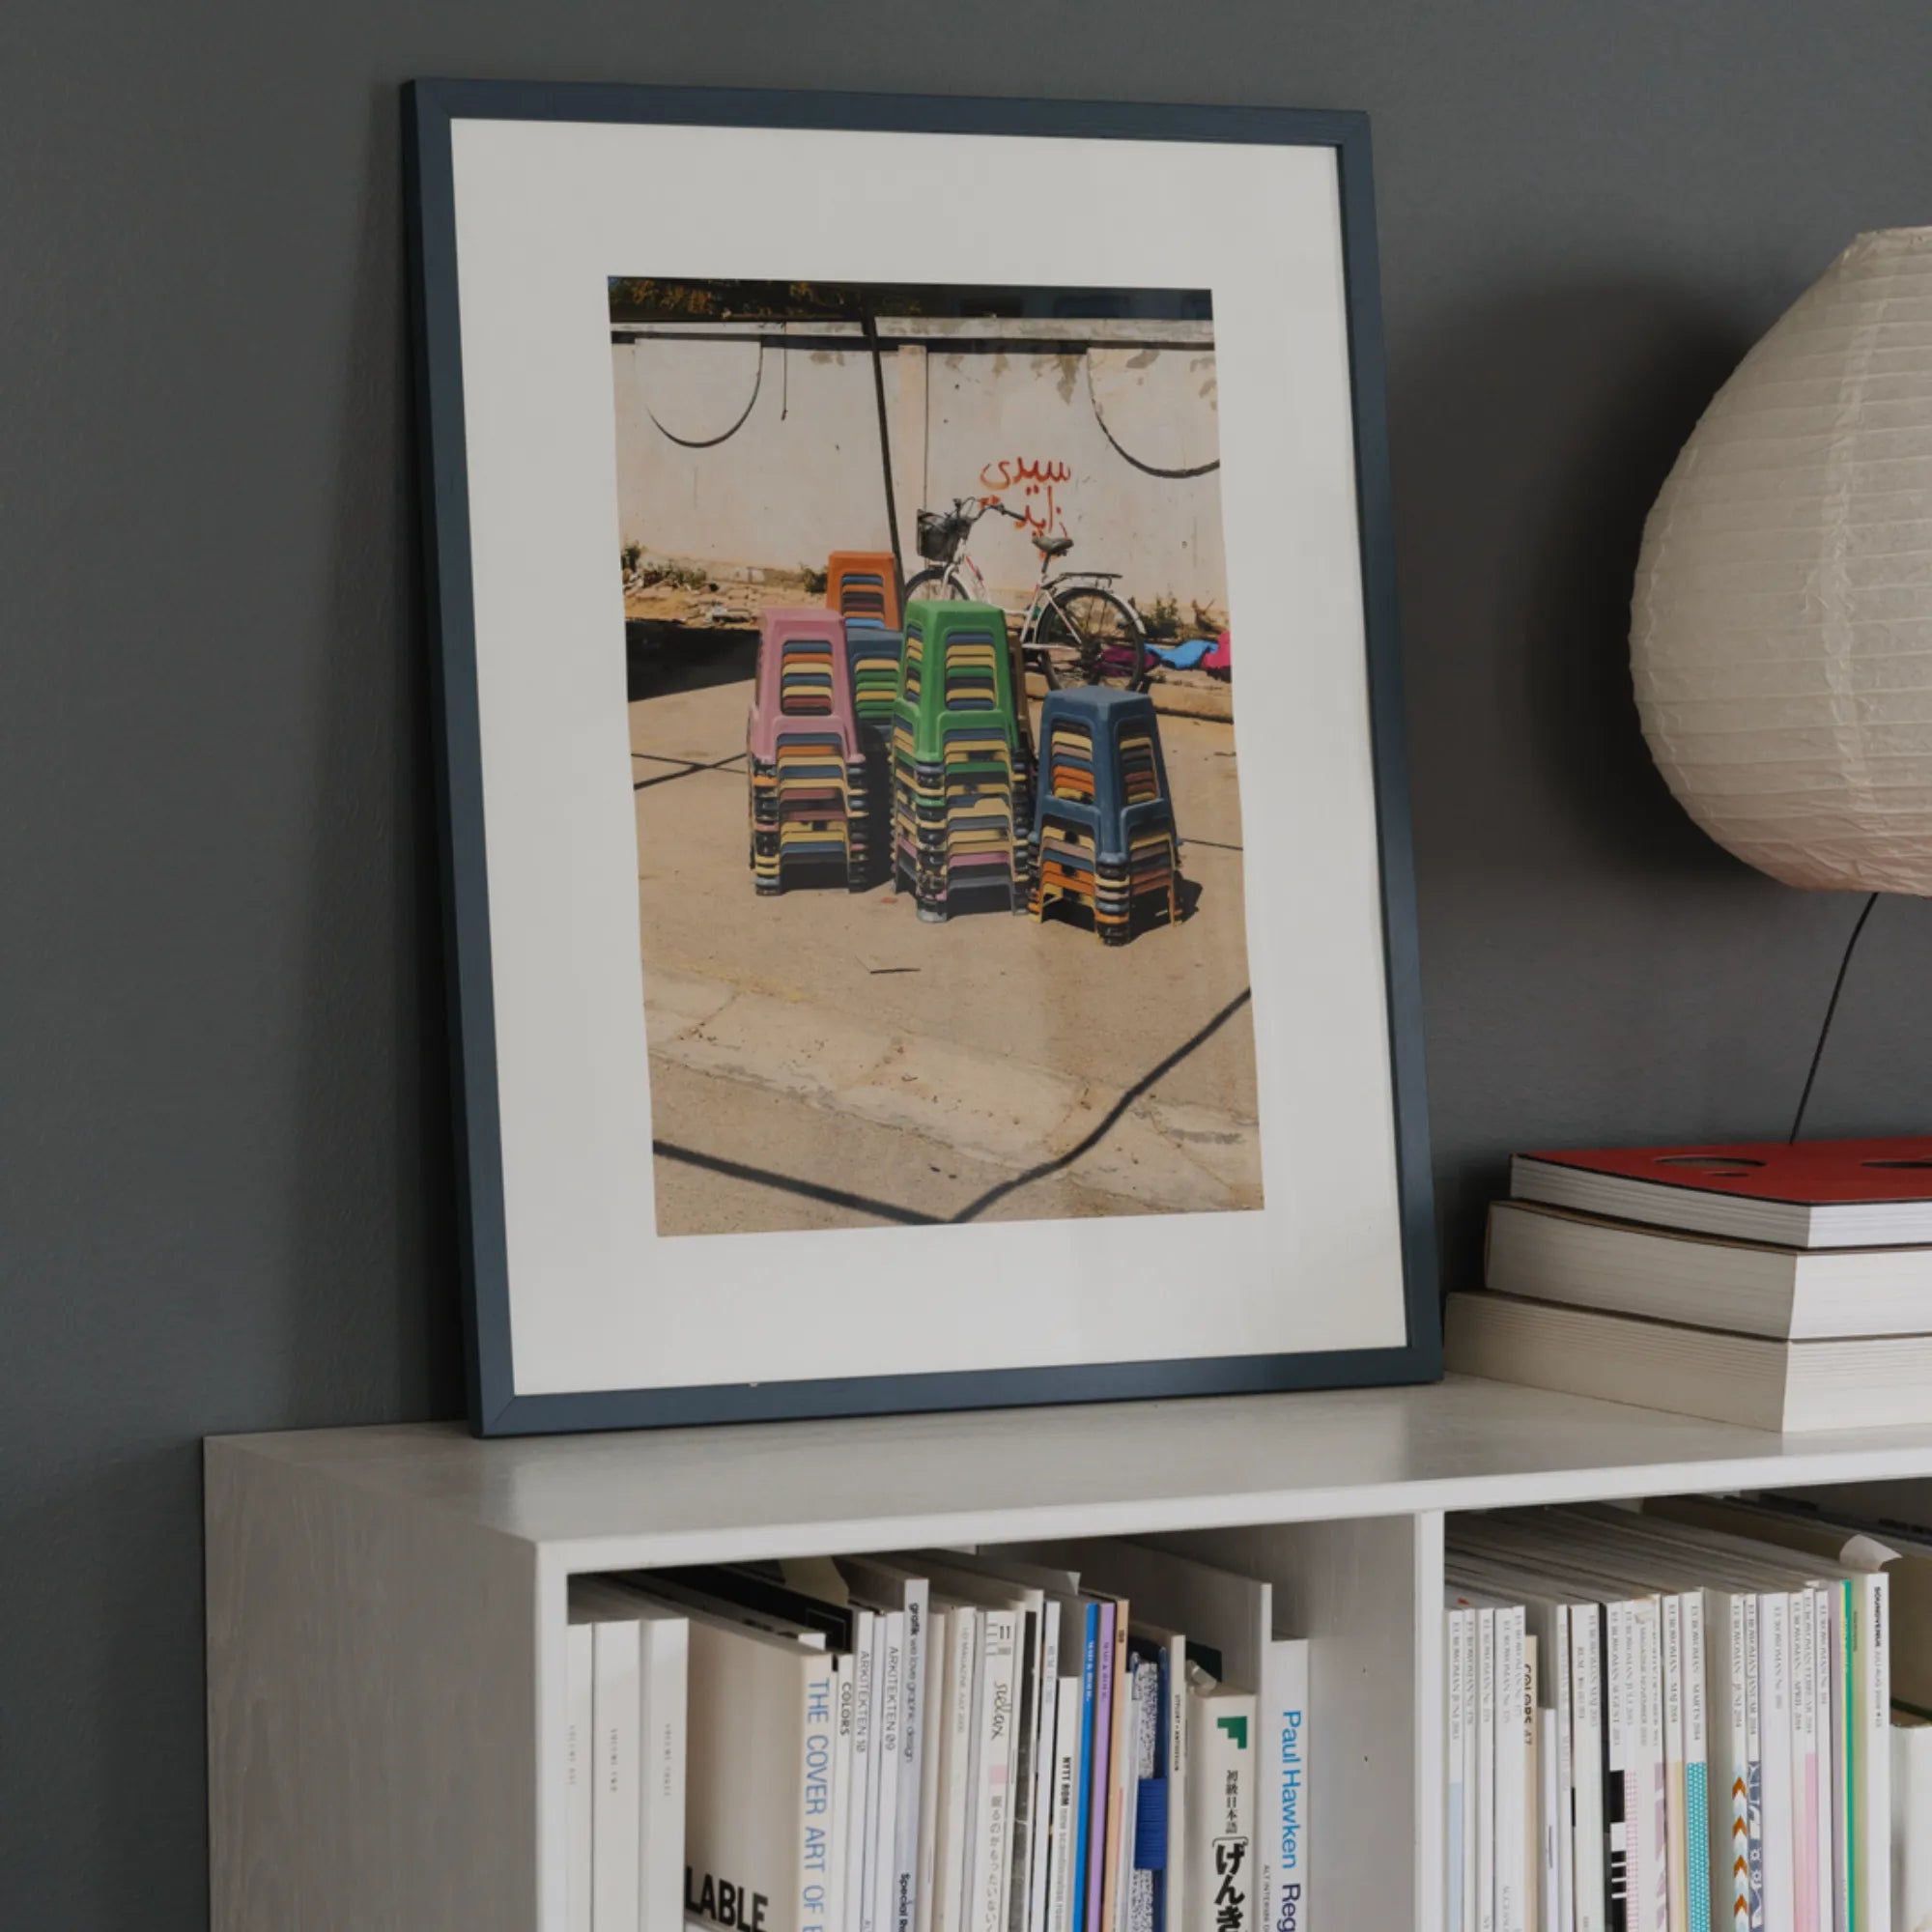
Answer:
(1099, 1737)
(1780, 1286)
(1683, 1719)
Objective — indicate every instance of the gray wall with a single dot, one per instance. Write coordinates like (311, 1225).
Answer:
(223, 1187)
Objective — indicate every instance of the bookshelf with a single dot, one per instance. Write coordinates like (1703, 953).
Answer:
(385, 1607)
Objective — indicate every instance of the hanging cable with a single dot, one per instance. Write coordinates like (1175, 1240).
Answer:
(1831, 1012)
(1122, 450)
(712, 442)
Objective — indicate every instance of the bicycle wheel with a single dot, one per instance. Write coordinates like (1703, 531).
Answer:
(1092, 638)
(936, 586)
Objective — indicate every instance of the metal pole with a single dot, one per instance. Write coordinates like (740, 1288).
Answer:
(870, 325)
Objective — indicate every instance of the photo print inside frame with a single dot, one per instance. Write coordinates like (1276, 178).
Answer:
(896, 963)
(928, 668)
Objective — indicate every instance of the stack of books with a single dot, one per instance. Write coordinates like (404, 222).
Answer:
(1904, 1551)
(1680, 1721)
(1084, 1738)
(1782, 1287)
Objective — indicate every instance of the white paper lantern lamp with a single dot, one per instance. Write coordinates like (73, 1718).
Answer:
(1782, 628)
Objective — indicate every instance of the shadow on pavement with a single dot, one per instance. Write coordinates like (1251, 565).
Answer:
(662, 657)
(886, 1211)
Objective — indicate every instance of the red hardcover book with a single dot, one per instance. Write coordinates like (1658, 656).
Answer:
(1810, 1194)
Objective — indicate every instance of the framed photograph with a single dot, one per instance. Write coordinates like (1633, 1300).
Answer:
(931, 918)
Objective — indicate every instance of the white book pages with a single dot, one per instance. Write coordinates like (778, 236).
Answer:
(892, 1586)
(1287, 1791)
(1474, 1817)
(993, 1807)
(1029, 1680)
(579, 1748)
(1655, 1810)
(1566, 1771)
(1456, 1690)
(1730, 1761)
(1811, 1549)
(1873, 1635)
(1485, 1770)
(1627, 1876)
(1549, 1914)
(1068, 1702)
(1005, 1575)
(1586, 1558)
(1221, 1734)
(1829, 1704)
(904, 1904)
(1677, 1864)
(1844, 1712)
(666, 1666)
(1039, 1853)
(1532, 1796)
(866, 1886)
(938, 1640)
(861, 1812)
(1513, 1837)
(892, 1709)
(844, 1690)
(984, 1581)
(912, 1752)
(955, 1769)
(1804, 1762)
(1754, 1759)
(755, 1839)
(1774, 1736)
(817, 1821)
(1910, 1771)
(618, 1809)
(1589, 1836)
(1696, 1760)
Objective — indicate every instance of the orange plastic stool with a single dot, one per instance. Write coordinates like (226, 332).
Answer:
(859, 586)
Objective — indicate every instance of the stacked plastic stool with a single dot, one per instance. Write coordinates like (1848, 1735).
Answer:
(859, 583)
(873, 653)
(860, 586)
(806, 754)
(961, 775)
(1103, 828)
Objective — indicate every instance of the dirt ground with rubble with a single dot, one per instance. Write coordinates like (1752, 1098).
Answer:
(823, 1059)
(670, 621)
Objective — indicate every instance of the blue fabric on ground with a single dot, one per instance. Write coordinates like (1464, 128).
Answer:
(1184, 656)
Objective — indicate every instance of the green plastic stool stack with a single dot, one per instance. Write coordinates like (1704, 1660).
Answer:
(962, 761)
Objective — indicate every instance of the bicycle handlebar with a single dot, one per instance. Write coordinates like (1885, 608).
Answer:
(970, 509)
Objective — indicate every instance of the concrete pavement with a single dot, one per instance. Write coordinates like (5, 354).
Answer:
(824, 1059)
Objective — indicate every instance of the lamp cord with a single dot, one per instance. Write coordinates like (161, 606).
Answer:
(1831, 1013)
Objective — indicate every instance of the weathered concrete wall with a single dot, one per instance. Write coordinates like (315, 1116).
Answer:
(790, 469)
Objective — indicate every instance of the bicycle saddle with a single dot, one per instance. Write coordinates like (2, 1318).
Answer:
(1052, 546)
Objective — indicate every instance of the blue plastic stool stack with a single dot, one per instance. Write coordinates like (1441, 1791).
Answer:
(1103, 827)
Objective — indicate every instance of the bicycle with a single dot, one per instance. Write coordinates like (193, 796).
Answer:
(1073, 631)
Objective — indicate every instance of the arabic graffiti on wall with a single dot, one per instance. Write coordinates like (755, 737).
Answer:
(1036, 482)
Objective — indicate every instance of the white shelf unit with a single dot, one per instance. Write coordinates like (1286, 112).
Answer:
(387, 1607)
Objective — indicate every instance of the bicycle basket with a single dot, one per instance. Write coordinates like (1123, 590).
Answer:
(940, 535)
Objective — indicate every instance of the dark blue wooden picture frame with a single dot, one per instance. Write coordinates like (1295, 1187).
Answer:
(496, 1409)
